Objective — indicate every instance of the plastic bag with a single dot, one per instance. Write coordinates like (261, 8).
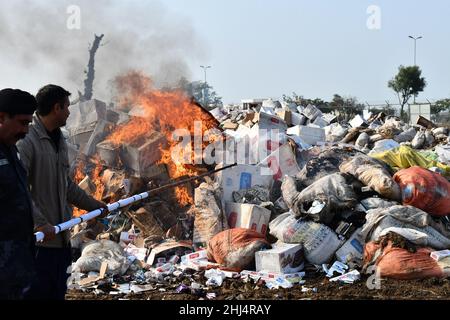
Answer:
(406, 136)
(429, 139)
(384, 145)
(319, 242)
(333, 191)
(443, 153)
(377, 220)
(324, 164)
(404, 157)
(419, 140)
(210, 218)
(362, 140)
(94, 254)
(372, 174)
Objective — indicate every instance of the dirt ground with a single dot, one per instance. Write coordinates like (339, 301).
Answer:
(232, 289)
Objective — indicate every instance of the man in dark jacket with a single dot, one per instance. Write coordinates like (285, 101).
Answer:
(17, 265)
(44, 155)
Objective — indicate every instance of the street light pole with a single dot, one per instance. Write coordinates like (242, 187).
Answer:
(415, 47)
(415, 55)
(205, 93)
(205, 68)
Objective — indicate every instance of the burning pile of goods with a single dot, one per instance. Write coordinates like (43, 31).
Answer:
(304, 196)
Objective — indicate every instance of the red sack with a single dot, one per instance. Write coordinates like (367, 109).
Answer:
(398, 263)
(235, 248)
(425, 190)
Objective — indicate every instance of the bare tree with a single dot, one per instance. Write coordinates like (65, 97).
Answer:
(90, 73)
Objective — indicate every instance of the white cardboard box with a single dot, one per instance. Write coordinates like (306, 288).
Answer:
(263, 142)
(357, 121)
(321, 122)
(202, 254)
(268, 122)
(298, 119)
(281, 162)
(271, 276)
(311, 112)
(439, 255)
(241, 177)
(310, 135)
(283, 258)
(248, 216)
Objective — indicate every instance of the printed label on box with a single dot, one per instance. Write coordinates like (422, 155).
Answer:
(246, 180)
(357, 245)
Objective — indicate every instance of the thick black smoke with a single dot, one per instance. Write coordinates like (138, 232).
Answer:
(36, 46)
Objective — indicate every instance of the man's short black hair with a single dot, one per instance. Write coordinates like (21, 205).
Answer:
(15, 101)
(48, 96)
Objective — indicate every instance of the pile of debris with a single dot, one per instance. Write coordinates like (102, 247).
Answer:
(315, 197)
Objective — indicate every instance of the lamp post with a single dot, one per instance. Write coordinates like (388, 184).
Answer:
(415, 54)
(415, 46)
(205, 93)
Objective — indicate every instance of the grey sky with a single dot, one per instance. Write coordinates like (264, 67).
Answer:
(261, 48)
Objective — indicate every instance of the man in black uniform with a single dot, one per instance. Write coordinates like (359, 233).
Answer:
(17, 262)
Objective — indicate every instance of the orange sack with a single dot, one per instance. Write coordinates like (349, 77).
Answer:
(424, 189)
(398, 263)
(235, 248)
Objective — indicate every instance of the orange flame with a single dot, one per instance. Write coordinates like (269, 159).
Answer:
(95, 177)
(78, 177)
(162, 111)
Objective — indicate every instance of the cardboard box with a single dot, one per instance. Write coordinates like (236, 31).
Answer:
(298, 119)
(108, 153)
(241, 177)
(87, 186)
(230, 125)
(127, 237)
(263, 142)
(139, 253)
(310, 135)
(156, 171)
(281, 162)
(283, 258)
(439, 255)
(267, 122)
(200, 264)
(84, 116)
(286, 115)
(102, 130)
(270, 276)
(166, 247)
(144, 152)
(357, 121)
(198, 255)
(329, 117)
(353, 248)
(320, 122)
(248, 216)
(249, 117)
(311, 112)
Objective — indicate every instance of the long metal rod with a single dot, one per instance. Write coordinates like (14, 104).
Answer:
(123, 203)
